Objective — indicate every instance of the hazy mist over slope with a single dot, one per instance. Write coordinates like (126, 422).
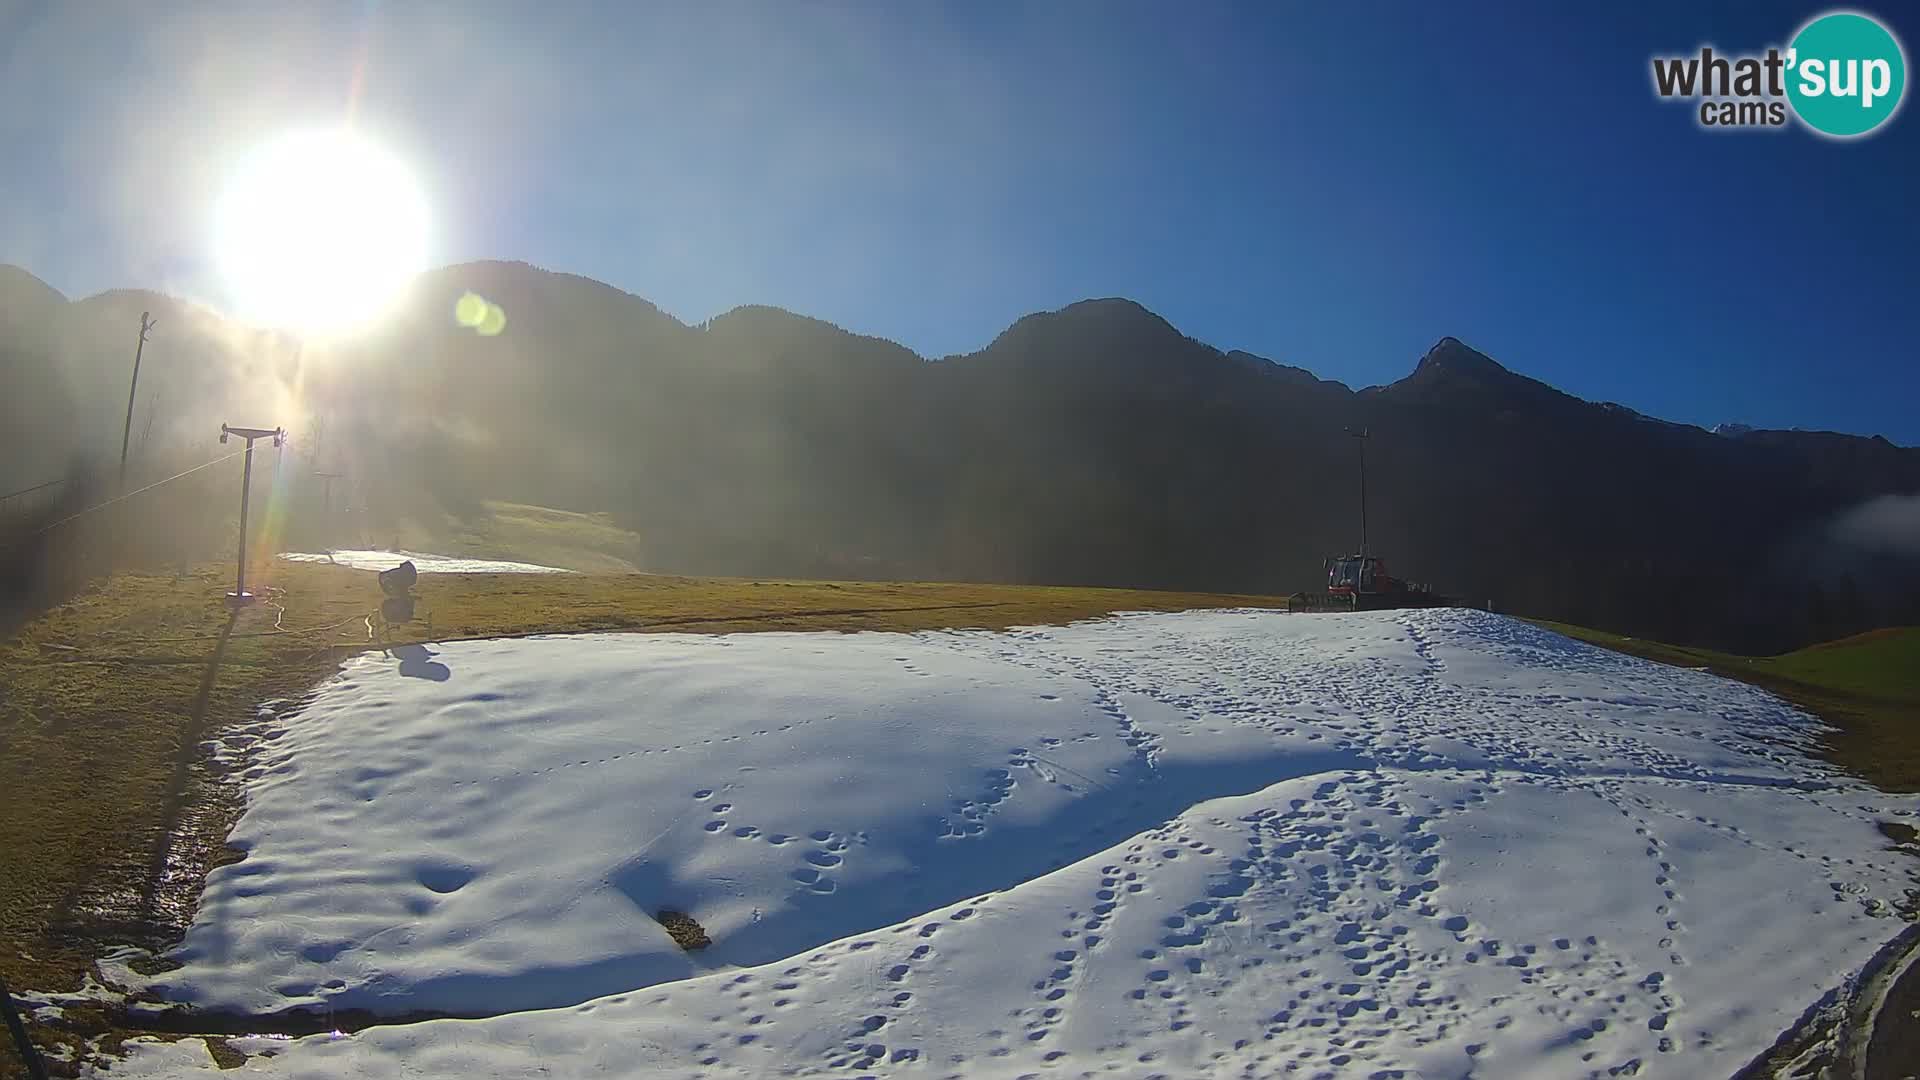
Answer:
(1091, 445)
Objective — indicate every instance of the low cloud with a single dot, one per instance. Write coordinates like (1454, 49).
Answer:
(1888, 524)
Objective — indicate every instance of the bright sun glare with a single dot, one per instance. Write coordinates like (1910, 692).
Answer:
(317, 231)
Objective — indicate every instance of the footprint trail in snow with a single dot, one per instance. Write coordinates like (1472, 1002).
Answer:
(1206, 844)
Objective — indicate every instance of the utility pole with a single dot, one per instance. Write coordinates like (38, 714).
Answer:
(326, 496)
(147, 323)
(326, 506)
(319, 429)
(1363, 434)
(239, 597)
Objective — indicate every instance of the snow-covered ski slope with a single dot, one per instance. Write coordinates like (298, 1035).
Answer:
(1419, 843)
(424, 563)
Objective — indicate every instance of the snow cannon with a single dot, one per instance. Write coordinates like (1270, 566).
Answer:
(397, 581)
(398, 606)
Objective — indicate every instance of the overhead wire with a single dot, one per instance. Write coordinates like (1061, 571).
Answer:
(31, 490)
(279, 610)
(137, 491)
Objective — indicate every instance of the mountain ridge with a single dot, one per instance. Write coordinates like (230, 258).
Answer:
(1448, 357)
(1091, 445)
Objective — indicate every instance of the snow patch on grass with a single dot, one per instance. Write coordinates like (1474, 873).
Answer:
(426, 564)
(1431, 842)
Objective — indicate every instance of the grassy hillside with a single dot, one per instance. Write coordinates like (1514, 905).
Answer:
(1867, 686)
(112, 817)
(526, 533)
(1884, 663)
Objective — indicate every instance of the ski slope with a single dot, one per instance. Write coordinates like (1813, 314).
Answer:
(424, 563)
(1420, 843)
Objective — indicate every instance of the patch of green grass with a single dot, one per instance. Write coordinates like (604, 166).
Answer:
(105, 702)
(1866, 686)
(1883, 663)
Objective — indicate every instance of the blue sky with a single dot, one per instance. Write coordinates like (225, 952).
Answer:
(1334, 186)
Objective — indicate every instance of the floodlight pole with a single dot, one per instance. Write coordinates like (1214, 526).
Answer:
(239, 595)
(1363, 434)
(147, 323)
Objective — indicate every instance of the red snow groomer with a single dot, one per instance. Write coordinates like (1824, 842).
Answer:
(1361, 583)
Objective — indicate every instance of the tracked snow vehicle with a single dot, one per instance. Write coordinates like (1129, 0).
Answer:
(1361, 583)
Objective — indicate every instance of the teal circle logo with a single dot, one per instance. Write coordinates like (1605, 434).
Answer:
(1845, 74)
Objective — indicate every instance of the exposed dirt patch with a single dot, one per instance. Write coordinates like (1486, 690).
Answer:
(684, 931)
(224, 1055)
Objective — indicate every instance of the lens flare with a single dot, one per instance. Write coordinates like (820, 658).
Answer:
(480, 315)
(470, 310)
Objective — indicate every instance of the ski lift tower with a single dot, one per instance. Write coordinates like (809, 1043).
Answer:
(240, 597)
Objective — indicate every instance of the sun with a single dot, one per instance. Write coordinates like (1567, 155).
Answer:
(318, 231)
